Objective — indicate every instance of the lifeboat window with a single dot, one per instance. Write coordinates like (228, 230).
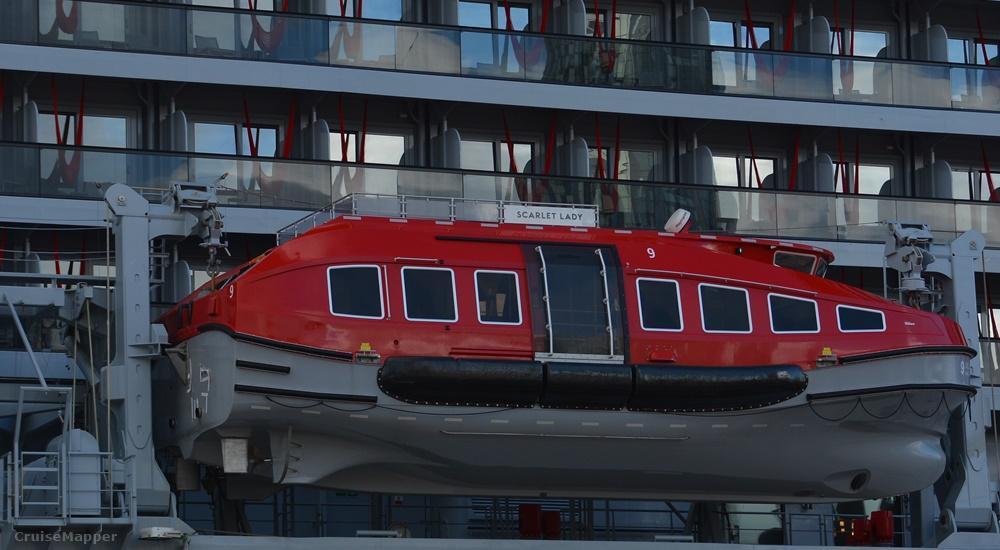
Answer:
(859, 319)
(659, 304)
(356, 291)
(429, 294)
(499, 297)
(796, 261)
(821, 268)
(724, 309)
(793, 315)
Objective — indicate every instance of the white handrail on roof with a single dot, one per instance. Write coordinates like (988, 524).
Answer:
(446, 208)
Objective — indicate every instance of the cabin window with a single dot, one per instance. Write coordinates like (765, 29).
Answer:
(821, 268)
(499, 297)
(356, 291)
(659, 304)
(429, 294)
(793, 315)
(857, 319)
(792, 260)
(724, 309)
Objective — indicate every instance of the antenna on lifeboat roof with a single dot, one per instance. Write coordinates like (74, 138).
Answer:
(678, 222)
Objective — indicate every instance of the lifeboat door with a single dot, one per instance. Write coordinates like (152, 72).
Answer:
(576, 303)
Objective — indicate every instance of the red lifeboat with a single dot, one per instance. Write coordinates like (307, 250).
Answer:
(465, 357)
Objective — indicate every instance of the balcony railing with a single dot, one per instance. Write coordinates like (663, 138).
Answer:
(86, 173)
(559, 59)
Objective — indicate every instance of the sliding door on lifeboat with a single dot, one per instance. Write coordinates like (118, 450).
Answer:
(577, 308)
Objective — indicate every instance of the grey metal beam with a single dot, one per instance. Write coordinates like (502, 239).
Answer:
(76, 212)
(492, 91)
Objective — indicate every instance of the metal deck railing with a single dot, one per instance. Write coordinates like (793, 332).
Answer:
(62, 486)
(433, 208)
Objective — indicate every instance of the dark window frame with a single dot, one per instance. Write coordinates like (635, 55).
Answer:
(701, 307)
(680, 305)
(812, 268)
(770, 313)
(381, 291)
(840, 324)
(454, 294)
(517, 292)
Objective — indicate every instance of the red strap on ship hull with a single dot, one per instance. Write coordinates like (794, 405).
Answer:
(512, 168)
(545, 15)
(982, 39)
(751, 34)
(251, 141)
(790, 28)
(600, 153)
(286, 148)
(857, 164)
(550, 146)
(364, 133)
(618, 148)
(842, 163)
(994, 195)
(268, 40)
(69, 170)
(793, 170)
(344, 139)
(753, 158)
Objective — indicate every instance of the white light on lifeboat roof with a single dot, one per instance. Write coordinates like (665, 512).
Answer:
(678, 221)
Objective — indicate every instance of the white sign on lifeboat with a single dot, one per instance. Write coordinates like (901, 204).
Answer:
(549, 215)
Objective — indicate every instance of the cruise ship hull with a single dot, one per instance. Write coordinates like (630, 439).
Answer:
(859, 431)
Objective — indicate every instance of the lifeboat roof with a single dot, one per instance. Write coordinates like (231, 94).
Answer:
(569, 234)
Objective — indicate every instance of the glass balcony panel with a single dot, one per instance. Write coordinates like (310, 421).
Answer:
(111, 26)
(244, 184)
(20, 21)
(359, 44)
(429, 184)
(921, 85)
(218, 34)
(861, 218)
(747, 212)
(498, 55)
(283, 38)
(83, 24)
(645, 65)
(153, 173)
(803, 77)
(220, 170)
(984, 218)
(809, 216)
(856, 81)
(513, 188)
(975, 88)
(285, 184)
(940, 217)
(20, 175)
(79, 174)
(428, 50)
(566, 61)
(743, 72)
(686, 69)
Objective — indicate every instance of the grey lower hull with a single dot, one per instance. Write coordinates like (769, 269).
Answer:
(861, 431)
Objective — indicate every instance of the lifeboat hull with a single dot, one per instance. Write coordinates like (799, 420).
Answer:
(868, 429)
